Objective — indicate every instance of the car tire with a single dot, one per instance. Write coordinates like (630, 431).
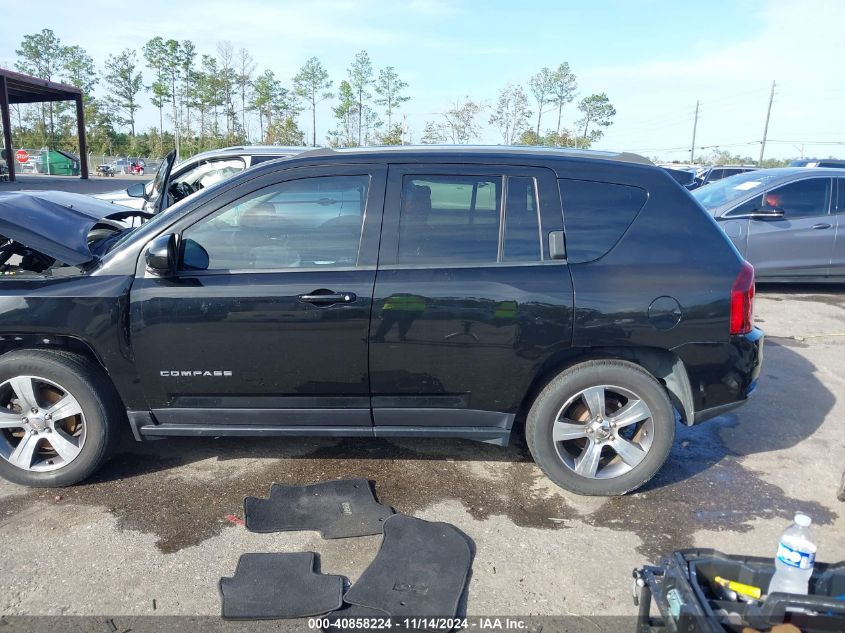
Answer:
(100, 415)
(586, 460)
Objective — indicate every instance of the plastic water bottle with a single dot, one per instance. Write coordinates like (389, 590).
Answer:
(795, 558)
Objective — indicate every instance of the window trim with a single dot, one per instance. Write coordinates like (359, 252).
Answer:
(368, 247)
(548, 206)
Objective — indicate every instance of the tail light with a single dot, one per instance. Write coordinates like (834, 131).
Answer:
(742, 300)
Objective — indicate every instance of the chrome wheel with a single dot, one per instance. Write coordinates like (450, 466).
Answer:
(42, 427)
(603, 432)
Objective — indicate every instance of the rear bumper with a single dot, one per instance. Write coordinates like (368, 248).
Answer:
(723, 376)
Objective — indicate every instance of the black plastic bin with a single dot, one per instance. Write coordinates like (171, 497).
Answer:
(690, 601)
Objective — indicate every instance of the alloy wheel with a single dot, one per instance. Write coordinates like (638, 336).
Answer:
(603, 432)
(42, 426)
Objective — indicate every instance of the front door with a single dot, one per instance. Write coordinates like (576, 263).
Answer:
(466, 299)
(800, 243)
(266, 321)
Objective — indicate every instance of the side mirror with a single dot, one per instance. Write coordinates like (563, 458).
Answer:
(138, 190)
(161, 255)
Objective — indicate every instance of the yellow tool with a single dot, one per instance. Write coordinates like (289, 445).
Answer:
(745, 590)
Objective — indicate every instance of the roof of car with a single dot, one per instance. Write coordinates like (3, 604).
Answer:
(801, 171)
(250, 150)
(532, 151)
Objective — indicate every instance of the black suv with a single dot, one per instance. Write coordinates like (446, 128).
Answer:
(407, 292)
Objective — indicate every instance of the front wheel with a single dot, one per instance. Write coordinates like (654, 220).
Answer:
(58, 417)
(602, 427)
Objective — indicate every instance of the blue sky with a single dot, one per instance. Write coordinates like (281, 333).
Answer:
(653, 59)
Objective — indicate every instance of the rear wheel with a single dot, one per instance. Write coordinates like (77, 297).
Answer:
(57, 418)
(601, 428)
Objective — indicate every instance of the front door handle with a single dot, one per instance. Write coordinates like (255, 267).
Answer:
(821, 225)
(325, 297)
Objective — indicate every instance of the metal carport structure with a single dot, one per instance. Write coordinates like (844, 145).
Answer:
(18, 88)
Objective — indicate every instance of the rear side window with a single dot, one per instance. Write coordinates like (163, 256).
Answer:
(458, 220)
(840, 196)
(595, 215)
(449, 219)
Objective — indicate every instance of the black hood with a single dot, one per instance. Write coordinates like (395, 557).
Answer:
(56, 223)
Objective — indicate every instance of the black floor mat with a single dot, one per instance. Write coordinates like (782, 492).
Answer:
(336, 509)
(420, 570)
(271, 586)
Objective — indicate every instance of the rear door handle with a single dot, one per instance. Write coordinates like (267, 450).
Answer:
(325, 297)
(821, 225)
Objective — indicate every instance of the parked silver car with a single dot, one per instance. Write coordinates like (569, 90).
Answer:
(788, 222)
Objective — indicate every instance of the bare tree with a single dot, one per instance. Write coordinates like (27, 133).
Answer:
(227, 77)
(512, 114)
(246, 67)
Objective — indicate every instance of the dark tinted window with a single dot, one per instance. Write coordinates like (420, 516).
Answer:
(306, 223)
(595, 215)
(522, 227)
(802, 199)
(449, 219)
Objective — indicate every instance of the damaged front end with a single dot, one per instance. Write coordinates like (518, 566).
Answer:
(54, 232)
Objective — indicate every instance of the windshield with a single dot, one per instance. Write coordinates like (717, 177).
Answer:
(732, 188)
(155, 188)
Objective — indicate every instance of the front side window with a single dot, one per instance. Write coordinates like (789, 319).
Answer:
(801, 199)
(306, 223)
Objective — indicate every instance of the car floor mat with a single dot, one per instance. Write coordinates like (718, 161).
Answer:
(279, 585)
(337, 509)
(420, 570)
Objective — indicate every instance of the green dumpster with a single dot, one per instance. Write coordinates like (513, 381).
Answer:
(57, 163)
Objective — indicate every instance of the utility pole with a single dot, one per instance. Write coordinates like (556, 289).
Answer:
(766, 127)
(694, 127)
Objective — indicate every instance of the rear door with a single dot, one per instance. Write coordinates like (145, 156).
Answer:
(466, 297)
(799, 244)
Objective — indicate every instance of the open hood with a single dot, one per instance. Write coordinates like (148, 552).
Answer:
(57, 223)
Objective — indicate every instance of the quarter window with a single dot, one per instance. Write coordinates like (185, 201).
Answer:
(595, 215)
(305, 223)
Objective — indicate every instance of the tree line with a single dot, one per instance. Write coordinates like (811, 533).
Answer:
(207, 101)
